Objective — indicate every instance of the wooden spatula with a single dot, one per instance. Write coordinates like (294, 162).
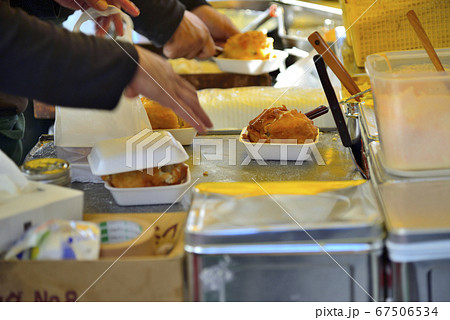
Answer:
(420, 31)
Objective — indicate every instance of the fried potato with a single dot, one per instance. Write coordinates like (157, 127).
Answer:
(248, 46)
(162, 117)
(157, 177)
(281, 123)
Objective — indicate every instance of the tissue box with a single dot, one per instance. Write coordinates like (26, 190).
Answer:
(30, 209)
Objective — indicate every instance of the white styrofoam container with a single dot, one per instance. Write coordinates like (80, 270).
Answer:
(278, 151)
(149, 195)
(252, 67)
(147, 149)
(185, 136)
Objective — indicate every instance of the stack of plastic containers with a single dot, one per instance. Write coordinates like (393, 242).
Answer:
(410, 168)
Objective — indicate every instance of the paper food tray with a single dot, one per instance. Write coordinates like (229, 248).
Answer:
(278, 151)
(252, 67)
(149, 195)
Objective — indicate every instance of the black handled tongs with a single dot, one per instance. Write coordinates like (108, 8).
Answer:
(353, 143)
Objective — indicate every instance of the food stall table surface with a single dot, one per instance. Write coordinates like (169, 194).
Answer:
(229, 164)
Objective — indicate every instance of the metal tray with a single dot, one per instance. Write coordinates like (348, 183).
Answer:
(230, 164)
(416, 209)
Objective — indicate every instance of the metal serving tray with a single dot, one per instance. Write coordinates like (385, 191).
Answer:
(229, 165)
(418, 232)
(251, 249)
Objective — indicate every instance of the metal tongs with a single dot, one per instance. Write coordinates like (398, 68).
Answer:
(271, 12)
(354, 143)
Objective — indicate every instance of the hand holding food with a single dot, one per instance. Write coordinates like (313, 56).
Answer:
(190, 40)
(219, 25)
(101, 5)
(281, 123)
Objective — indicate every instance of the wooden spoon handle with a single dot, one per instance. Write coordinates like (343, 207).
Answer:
(418, 28)
(333, 62)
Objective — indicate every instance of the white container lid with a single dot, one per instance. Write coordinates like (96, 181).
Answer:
(146, 149)
(421, 251)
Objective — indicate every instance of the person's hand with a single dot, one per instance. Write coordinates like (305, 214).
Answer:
(190, 40)
(219, 25)
(101, 5)
(155, 79)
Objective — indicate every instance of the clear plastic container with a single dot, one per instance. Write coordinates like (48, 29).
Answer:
(412, 108)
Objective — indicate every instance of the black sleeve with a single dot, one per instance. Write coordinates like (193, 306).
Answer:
(50, 64)
(192, 4)
(158, 19)
(44, 9)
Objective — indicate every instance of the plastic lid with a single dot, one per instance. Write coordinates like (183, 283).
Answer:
(46, 169)
(413, 64)
(349, 215)
(146, 149)
(421, 251)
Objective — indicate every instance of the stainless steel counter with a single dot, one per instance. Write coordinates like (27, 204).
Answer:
(232, 166)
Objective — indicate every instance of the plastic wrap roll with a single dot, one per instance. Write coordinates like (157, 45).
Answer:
(234, 108)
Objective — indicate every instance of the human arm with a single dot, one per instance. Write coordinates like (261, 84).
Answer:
(169, 24)
(219, 25)
(101, 5)
(55, 66)
(41, 61)
(156, 80)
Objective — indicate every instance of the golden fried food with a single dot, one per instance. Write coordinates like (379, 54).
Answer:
(249, 46)
(155, 177)
(281, 123)
(162, 117)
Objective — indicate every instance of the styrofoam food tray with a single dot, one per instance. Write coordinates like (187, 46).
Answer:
(252, 67)
(146, 149)
(149, 195)
(185, 136)
(278, 151)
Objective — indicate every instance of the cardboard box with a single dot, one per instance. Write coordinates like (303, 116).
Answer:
(152, 278)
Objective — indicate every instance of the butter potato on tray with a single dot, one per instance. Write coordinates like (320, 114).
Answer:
(279, 123)
(163, 118)
(156, 177)
(280, 134)
(248, 46)
(251, 53)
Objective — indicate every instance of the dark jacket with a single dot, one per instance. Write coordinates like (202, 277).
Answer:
(42, 62)
(53, 65)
